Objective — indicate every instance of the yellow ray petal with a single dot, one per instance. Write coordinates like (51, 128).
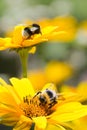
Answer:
(8, 93)
(48, 29)
(33, 42)
(69, 111)
(53, 127)
(17, 35)
(40, 122)
(7, 108)
(23, 87)
(9, 119)
(57, 71)
(6, 97)
(24, 123)
(32, 50)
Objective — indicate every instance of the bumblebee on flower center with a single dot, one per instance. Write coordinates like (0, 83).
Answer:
(39, 105)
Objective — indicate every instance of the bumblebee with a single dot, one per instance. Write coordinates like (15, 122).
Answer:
(41, 104)
(47, 98)
(31, 30)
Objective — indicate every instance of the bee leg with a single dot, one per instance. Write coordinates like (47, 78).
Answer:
(52, 104)
(30, 37)
(37, 94)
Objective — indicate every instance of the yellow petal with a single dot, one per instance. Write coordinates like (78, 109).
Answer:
(37, 78)
(8, 94)
(80, 124)
(9, 119)
(34, 41)
(48, 29)
(7, 98)
(57, 71)
(40, 123)
(24, 123)
(32, 50)
(5, 109)
(23, 87)
(53, 127)
(69, 111)
(80, 89)
(17, 34)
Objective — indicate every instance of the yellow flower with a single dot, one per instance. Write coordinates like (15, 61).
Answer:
(20, 39)
(57, 71)
(66, 27)
(37, 78)
(54, 71)
(67, 24)
(22, 108)
(80, 89)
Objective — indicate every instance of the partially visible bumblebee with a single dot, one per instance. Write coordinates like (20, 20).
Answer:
(31, 30)
(47, 97)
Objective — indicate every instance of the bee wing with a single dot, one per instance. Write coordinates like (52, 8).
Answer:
(50, 86)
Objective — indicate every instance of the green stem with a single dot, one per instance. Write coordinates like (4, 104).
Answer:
(32, 127)
(24, 57)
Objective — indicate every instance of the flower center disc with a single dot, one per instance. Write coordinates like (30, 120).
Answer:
(32, 107)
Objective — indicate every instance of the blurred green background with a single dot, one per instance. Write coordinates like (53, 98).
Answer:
(74, 53)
